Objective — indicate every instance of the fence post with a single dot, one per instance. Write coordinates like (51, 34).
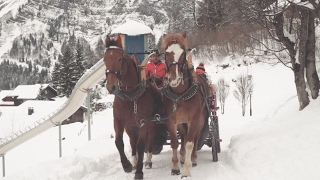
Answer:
(60, 141)
(88, 115)
(3, 166)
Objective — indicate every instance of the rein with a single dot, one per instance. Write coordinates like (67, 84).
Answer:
(133, 96)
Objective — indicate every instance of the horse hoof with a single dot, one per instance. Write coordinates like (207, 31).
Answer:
(194, 165)
(175, 172)
(138, 176)
(127, 167)
(185, 177)
(148, 165)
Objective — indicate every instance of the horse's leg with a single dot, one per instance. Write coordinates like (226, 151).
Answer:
(192, 128)
(172, 128)
(119, 129)
(194, 156)
(140, 148)
(183, 134)
(198, 133)
(133, 134)
(151, 135)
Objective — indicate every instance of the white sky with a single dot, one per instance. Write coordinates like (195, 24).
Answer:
(276, 142)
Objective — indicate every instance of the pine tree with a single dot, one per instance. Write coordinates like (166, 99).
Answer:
(67, 75)
(42, 95)
(55, 78)
(79, 61)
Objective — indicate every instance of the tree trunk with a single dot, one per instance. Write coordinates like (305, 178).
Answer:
(311, 72)
(299, 70)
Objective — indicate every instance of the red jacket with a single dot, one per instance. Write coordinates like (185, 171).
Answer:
(158, 69)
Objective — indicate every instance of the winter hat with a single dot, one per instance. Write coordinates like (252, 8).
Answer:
(200, 68)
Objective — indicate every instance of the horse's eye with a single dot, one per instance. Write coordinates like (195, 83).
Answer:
(119, 59)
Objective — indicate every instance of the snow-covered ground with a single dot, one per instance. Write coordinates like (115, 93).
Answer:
(277, 142)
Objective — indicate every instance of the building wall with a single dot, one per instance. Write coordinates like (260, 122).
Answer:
(76, 117)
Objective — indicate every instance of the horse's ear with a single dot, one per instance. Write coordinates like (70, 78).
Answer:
(107, 41)
(184, 34)
(117, 39)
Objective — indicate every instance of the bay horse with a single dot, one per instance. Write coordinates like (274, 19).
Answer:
(133, 107)
(184, 101)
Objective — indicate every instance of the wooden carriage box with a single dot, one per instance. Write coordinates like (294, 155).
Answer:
(135, 37)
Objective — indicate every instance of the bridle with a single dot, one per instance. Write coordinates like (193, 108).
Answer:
(123, 59)
(181, 67)
(140, 87)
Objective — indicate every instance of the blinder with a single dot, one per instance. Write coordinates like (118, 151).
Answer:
(181, 66)
(123, 58)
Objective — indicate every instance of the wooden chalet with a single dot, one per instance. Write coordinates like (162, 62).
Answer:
(23, 93)
(25, 97)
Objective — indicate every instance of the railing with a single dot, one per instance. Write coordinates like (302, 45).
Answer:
(78, 95)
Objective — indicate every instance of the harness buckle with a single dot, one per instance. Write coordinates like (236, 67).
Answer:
(157, 116)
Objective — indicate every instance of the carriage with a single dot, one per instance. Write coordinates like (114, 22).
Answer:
(211, 135)
(186, 107)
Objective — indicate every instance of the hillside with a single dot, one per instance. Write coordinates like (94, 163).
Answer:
(35, 32)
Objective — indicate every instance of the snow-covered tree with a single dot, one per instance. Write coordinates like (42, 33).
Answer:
(244, 85)
(223, 92)
(42, 95)
(79, 62)
(68, 78)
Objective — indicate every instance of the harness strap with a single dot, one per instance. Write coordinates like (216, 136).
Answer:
(133, 95)
(189, 93)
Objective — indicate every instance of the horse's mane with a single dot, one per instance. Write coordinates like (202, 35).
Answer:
(168, 38)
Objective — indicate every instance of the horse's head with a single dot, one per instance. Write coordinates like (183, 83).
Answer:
(115, 59)
(175, 46)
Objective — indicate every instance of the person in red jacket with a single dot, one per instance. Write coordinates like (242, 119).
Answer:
(156, 68)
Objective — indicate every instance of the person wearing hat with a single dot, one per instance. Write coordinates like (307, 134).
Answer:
(156, 68)
(212, 103)
(200, 69)
(213, 87)
(157, 71)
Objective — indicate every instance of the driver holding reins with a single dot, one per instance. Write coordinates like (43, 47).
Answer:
(156, 68)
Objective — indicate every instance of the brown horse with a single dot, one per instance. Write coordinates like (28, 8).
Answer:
(133, 107)
(184, 102)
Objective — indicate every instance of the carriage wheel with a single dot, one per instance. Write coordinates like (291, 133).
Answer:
(213, 147)
(217, 134)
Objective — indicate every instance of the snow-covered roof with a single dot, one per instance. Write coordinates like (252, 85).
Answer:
(3, 94)
(27, 91)
(15, 114)
(132, 28)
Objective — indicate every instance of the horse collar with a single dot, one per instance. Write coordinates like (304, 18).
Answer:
(131, 96)
(189, 93)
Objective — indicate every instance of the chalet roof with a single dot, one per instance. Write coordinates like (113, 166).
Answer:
(132, 28)
(15, 114)
(19, 114)
(3, 94)
(28, 91)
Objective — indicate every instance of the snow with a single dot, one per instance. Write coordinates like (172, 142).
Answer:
(132, 28)
(27, 91)
(277, 142)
